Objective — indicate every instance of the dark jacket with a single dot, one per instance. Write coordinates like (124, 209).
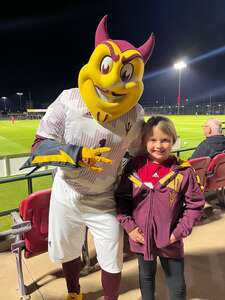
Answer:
(211, 146)
(172, 206)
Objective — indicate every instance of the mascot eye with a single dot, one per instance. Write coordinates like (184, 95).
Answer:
(126, 72)
(106, 64)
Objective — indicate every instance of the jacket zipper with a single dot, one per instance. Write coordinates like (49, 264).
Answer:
(148, 221)
(148, 225)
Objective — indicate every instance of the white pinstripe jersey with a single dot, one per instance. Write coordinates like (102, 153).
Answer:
(69, 121)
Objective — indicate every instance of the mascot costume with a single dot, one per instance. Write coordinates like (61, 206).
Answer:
(85, 133)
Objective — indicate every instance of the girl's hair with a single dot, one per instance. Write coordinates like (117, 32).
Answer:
(163, 123)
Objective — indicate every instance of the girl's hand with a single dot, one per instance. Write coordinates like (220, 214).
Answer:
(137, 235)
(172, 239)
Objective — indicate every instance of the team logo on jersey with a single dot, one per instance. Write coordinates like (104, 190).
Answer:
(128, 127)
(88, 115)
(102, 142)
(172, 197)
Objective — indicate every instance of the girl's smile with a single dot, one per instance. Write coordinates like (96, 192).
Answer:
(159, 145)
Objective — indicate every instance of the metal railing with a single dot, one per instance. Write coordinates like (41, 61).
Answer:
(29, 179)
(178, 151)
(10, 164)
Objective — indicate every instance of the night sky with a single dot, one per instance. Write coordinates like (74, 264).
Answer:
(43, 48)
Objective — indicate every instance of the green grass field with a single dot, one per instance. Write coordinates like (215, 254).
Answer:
(14, 139)
(18, 138)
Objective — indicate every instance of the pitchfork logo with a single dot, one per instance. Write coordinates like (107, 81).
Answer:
(128, 127)
(88, 115)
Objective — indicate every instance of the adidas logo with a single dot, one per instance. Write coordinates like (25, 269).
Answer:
(155, 175)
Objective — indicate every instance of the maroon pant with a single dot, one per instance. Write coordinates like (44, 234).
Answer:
(110, 281)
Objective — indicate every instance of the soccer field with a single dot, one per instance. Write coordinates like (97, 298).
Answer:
(18, 138)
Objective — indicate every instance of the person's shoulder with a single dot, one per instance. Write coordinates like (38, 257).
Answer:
(71, 97)
(141, 158)
(204, 141)
(138, 106)
(180, 165)
(136, 113)
(202, 146)
(140, 110)
(216, 138)
(135, 163)
(71, 93)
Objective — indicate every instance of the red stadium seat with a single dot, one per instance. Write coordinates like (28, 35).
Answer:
(216, 172)
(200, 165)
(35, 208)
(216, 177)
(30, 226)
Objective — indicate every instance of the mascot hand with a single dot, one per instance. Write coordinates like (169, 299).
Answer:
(90, 156)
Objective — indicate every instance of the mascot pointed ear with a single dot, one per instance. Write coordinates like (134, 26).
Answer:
(147, 48)
(101, 31)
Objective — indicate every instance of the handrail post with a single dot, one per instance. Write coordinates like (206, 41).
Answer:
(29, 185)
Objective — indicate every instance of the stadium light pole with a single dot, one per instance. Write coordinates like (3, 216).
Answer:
(180, 65)
(4, 100)
(20, 95)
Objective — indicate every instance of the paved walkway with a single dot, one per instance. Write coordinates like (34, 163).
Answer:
(205, 271)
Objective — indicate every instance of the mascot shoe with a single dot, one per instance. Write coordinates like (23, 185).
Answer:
(74, 296)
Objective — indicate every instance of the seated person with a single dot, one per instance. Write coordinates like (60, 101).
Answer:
(214, 142)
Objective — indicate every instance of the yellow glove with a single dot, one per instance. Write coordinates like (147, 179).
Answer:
(90, 156)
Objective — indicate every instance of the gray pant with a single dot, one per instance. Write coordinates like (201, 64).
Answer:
(174, 273)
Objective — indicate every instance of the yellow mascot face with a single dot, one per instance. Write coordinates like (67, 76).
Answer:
(111, 82)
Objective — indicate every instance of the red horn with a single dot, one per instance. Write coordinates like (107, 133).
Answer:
(147, 48)
(101, 32)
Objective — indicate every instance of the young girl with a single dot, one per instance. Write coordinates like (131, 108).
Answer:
(158, 202)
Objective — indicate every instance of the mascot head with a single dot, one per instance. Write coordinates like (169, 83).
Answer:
(111, 82)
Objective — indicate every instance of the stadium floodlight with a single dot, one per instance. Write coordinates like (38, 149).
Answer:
(180, 65)
(20, 94)
(4, 100)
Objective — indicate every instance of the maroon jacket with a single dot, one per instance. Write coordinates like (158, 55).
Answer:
(173, 205)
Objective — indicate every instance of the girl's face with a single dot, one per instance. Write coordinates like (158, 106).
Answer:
(159, 145)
